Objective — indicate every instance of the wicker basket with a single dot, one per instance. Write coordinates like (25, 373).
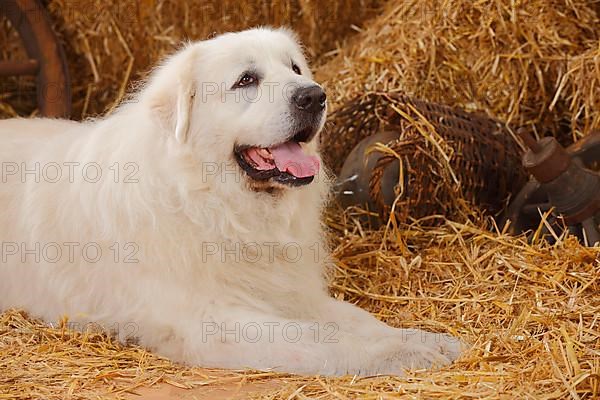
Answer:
(435, 160)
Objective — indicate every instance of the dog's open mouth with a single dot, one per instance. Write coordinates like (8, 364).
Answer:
(285, 163)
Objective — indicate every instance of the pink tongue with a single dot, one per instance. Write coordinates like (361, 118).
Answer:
(290, 158)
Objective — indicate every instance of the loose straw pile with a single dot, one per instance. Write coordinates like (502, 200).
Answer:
(531, 313)
(523, 62)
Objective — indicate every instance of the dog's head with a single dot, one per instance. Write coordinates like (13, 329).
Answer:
(249, 99)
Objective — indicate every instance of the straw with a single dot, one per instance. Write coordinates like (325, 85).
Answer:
(111, 44)
(530, 312)
(523, 62)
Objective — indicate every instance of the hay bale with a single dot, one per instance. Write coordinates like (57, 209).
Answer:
(582, 86)
(508, 59)
(109, 44)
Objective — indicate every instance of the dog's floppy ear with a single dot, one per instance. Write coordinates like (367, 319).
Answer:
(172, 92)
(185, 100)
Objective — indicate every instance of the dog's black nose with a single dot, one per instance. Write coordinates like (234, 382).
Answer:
(311, 99)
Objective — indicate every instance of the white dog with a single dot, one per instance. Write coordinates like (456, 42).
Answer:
(190, 220)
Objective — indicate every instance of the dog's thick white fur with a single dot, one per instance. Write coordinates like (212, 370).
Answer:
(197, 262)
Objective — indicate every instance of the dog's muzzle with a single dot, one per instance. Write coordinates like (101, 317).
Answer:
(287, 163)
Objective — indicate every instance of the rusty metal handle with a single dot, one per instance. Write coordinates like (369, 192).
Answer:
(16, 68)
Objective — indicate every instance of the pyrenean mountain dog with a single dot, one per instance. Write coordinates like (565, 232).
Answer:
(190, 220)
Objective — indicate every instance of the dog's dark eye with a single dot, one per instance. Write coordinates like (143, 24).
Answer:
(246, 80)
(296, 69)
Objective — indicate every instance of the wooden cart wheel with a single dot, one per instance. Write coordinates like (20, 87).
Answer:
(46, 57)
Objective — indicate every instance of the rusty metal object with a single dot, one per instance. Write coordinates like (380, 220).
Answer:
(547, 159)
(438, 160)
(565, 181)
(46, 56)
(357, 172)
(15, 68)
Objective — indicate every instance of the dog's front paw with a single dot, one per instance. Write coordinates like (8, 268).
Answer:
(416, 349)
